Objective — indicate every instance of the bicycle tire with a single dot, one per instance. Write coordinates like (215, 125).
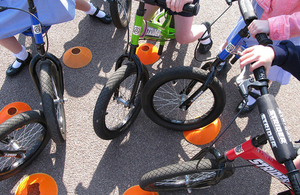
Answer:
(173, 177)
(120, 17)
(26, 130)
(53, 103)
(163, 94)
(108, 107)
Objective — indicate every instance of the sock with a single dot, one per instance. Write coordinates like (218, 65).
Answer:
(93, 9)
(205, 41)
(22, 55)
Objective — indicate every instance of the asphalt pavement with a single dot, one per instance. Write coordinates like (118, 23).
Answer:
(87, 164)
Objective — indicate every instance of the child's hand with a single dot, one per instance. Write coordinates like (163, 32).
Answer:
(259, 26)
(177, 5)
(258, 55)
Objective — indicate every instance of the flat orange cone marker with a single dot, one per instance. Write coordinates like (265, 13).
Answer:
(77, 57)
(147, 53)
(205, 134)
(38, 183)
(13, 109)
(136, 190)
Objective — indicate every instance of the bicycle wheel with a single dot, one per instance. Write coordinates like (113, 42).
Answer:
(53, 103)
(112, 113)
(23, 132)
(181, 176)
(167, 90)
(120, 11)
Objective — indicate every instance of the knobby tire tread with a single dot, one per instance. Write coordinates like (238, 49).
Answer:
(16, 122)
(113, 5)
(180, 73)
(48, 96)
(103, 100)
(172, 171)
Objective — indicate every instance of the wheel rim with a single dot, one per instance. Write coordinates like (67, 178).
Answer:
(170, 95)
(28, 138)
(118, 111)
(60, 112)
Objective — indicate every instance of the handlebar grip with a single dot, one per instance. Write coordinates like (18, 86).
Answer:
(192, 8)
(189, 7)
(260, 73)
(247, 11)
(263, 39)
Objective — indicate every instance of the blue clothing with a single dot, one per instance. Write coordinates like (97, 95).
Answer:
(50, 12)
(276, 73)
(287, 56)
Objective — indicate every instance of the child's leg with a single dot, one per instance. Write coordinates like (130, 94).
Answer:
(150, 11)
(90, 9)
(186, 32)
(12, 44)
(19, 51)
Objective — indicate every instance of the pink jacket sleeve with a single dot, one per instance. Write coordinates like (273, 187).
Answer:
(284, 27)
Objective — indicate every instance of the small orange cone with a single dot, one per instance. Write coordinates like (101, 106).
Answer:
(39, 183)
(136, 190)
(77, 57)
(147, 53)
(205, 134)
(13, 109)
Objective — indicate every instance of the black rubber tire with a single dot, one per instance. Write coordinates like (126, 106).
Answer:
(172, 177)
(54, 112)
(120, 19)
(167, 112)
(102, 110)
(31, 125)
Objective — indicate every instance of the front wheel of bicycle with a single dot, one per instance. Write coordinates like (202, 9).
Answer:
(24, 134)
(120, 11)
(53, 103)
(113, 112)
(167, 90)
(181, 176)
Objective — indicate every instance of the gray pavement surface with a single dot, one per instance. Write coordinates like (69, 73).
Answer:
(87, 164)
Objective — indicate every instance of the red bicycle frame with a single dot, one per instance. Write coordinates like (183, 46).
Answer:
(260, 159)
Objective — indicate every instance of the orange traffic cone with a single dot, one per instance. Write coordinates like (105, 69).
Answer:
(147, 53)
(38, 183)
(77, 57)
(136, 190)
(13, 109)
(205, 134)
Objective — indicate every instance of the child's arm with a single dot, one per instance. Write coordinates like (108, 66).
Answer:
(285, 55)
(280, 27)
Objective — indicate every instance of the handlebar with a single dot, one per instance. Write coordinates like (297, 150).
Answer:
(189, 7)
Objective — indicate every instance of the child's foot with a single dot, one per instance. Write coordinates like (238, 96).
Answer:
(205, 42)
(18, 64)
(102, 16)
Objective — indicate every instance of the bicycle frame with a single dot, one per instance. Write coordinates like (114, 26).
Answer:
(257, 157)
(165, 33)
(37, 31)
